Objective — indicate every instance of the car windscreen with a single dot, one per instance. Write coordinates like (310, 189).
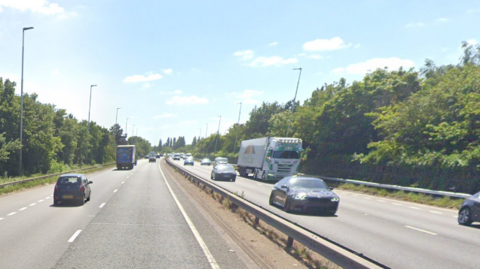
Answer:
(225, 168)
(289, 154)
(308, 184)
(69, 180)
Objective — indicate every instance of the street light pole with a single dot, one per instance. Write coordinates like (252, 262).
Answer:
(116, 118)
(89, 106)
(294, 99)
(236, 129)
(126, 128)
(218, 132)
(133, 128)
(206, 130)
(21, 104)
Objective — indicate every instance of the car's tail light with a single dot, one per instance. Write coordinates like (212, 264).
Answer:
(82, 188)
(56, 187)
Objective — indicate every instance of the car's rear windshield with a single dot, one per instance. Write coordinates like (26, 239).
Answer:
(222, 160)
(286, 154)
(308, 183)
(69, 180)
(225, 168)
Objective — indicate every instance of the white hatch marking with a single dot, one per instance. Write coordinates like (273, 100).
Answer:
(32, 204)
(74, 236)
(420, 230)
(102, 205)
(11, 214)
(23, 208)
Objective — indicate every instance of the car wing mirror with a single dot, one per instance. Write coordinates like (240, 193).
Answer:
(90, 182)
(331, 188)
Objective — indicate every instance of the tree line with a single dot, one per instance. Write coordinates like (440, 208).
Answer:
(53, 140)
(413, 128)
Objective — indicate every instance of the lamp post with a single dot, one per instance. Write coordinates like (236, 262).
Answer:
(133, 128)
(21, 104)
(206, 130)
(218, 132)
(116, 118)
(126, 128)
(89, 106)
(236, 129)
(294, 98)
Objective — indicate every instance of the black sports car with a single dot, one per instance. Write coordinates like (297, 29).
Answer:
(470, 210)
(223, 172)
(304, 194)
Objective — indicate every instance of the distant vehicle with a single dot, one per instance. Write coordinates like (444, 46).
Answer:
(188, 155)
(188, 161)
(304, 194)
(146, 157)
(470, 210)
(269, 158)
(176, 156)
(206, 161)
(182, 155)
(126, 157)
(158, 156)
(219, 160)
(72, 188)
(152, 159)
(223, 172)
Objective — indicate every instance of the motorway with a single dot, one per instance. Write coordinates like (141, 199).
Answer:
(395, 233)
(136, 218)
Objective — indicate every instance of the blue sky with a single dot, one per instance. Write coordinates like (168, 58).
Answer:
(174, 67)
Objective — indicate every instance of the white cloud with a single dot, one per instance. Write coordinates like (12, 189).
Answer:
(269, 61)
(392, 63)
(141, 78)
(273, 44)
(325, 44)
(176, 92)
(10, 76)
(186, 100)
(246, 97)
(316, 57)
(244, 54)
(443, 19)
(415, 24)
(167, 71)
(165, 116)
(472, 42)
(35, 6)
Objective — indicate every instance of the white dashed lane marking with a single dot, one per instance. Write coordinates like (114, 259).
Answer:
(397, 204)
(420, 230)
(115, 190)
(435, 212)
(416, 208)
(102, 205)
(41, 201)
(32, 204)
(23, 208)
(11, 214)
(74, 236)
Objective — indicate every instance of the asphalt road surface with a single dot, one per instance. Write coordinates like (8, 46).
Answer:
(136, 218)
(396, 233)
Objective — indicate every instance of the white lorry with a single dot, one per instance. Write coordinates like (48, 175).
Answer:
(269, 158)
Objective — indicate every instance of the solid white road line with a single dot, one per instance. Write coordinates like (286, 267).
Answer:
(102, 205)
(11, 214)
(206, 251)
(23, 208)
(420, 230)
(32, 204)
(74, 236)
(115, 191)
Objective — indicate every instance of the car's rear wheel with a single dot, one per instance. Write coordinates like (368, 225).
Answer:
(88, 199)
(82, 202)
(287, 206)
(270, 200)
(465, 216)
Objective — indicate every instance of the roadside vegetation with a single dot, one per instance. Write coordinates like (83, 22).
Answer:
(443, 201)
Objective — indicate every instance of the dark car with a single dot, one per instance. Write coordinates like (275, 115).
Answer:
(206, 161)
(188, 161)
(470, 210)
(304, 194)
(223, 172)
(152, 159)
(72, 188)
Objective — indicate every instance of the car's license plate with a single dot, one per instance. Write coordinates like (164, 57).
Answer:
(68, 197)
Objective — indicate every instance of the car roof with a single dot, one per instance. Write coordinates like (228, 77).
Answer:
(72, 175)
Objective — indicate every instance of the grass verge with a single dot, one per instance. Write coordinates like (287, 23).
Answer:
(441, 201)
(44, 181)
